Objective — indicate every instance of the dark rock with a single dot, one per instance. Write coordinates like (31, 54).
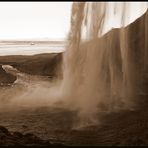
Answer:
(17, 135)
(24, 126)
(19, 139)
(4, 130)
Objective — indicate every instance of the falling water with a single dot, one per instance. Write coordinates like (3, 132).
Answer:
(103, 68)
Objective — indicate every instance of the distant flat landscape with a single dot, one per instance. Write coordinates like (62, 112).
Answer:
(30, 47)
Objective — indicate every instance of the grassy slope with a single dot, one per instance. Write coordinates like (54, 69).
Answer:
(41, 64)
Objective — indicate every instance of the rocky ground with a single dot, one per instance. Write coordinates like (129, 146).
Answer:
(8, 138)
(57, 127)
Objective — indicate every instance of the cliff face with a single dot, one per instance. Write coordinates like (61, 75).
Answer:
(42, 64)
(125, 51)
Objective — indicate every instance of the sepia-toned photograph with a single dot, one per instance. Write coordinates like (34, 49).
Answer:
(73, 73)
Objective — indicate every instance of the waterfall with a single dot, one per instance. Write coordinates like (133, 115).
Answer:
(103, 64)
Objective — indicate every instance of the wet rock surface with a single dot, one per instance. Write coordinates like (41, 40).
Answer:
(18, 139)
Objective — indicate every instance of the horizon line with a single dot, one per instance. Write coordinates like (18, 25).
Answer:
(32, 39)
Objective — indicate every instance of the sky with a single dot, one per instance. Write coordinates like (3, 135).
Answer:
(51, 20)
(24, 20)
